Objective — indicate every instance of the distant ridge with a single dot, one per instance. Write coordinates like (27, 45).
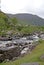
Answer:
(26, 18)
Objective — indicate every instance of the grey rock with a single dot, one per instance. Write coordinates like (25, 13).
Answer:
(42, 57)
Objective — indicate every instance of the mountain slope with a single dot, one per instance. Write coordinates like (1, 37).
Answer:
(26, 18)
(3, 21)
(6, 22)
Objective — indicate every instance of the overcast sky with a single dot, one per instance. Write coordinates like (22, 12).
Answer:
(23, 6)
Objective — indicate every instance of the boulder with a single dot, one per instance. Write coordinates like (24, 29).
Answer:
(1, 58)
(9, 53)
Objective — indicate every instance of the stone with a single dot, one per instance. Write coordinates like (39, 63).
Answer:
(42, 57)
(1, 58)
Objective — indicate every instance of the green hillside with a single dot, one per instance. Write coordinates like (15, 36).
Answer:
(13, 24)
(6, 23)
(33, 57)
(3, 21)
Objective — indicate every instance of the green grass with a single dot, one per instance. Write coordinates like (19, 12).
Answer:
(33, 57)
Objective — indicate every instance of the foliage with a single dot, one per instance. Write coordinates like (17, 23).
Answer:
(32, 28)
(6, 23)
(14, 21)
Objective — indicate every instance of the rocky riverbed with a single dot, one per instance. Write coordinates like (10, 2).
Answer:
(18, 47)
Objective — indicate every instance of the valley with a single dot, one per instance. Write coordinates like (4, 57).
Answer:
(21, 39)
